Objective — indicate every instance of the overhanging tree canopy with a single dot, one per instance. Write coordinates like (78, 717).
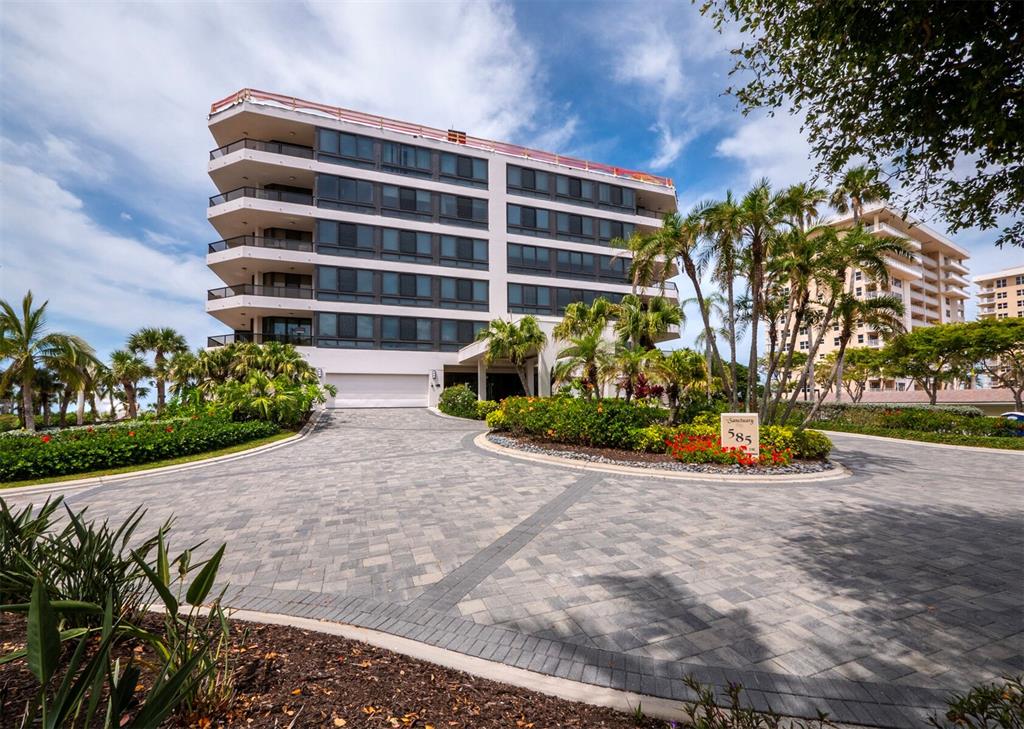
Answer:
(930, 91)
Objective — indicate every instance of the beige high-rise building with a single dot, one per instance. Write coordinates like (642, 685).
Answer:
(1001, 294)
(932, 284)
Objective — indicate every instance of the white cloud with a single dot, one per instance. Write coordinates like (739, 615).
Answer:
(90, 275)
(673, 62)
(127, 217)
(772, 147)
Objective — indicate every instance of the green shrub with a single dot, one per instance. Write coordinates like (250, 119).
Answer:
(603, 423)
(707, 418)
(93, 449)
(9, 422)
(812, 445)
(652, 438)
(496, 420)
(458, 401)
(485, 408)
(950, 420)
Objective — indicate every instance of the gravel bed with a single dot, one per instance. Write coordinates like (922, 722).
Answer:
(615, 457)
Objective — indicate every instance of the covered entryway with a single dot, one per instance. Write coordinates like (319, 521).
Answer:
(378, 391)
(499, 378)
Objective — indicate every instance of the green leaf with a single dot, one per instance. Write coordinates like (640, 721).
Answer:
(43, 636)
(58, 606)
(203, 582)
(161, 587)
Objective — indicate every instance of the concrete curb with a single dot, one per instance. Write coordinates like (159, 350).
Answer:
(839, 472)
(906, 441)
(103, 480)
(561, 688)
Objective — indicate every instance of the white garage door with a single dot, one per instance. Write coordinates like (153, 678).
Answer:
(379, 391)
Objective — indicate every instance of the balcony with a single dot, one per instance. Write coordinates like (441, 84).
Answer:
(280, 244)
(287, 292)
(259, 193)
(291, 150)
(220, 340)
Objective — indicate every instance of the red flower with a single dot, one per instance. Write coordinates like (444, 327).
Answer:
(45, 439)
(131, 433)
(89, 429)
(170, 429)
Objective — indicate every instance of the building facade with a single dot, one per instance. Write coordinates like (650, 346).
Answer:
(932, 284)
(1001, 294)
(381, 248)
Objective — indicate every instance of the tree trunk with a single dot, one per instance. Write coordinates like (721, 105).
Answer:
(27, 406)
(65, 403)
(732, 345)
(756, 281)
(691, 273)
(809, 367)
(824, 390)
(80, 407)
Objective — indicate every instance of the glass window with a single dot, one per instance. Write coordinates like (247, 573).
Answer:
(344, 189)
(345, 235)
(341, 144)
(461, 166)
(464, 208)
(527, 179)
(524, 217)
(327, 325)
(406, 156)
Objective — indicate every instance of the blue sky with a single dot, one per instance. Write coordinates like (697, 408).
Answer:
(103, 135)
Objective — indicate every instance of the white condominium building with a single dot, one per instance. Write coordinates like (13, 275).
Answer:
(1001, 294)
(381, 248)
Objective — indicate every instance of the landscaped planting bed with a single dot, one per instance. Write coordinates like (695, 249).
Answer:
(629, 433)
(81, 450)
(646, 459)
(286, 677)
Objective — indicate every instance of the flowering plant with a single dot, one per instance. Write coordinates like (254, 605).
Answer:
(709, 449)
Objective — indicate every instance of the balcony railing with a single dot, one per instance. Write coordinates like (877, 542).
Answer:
(287, 196)
(287, 292)
(292, 150)
(220, 340)
(280, 244)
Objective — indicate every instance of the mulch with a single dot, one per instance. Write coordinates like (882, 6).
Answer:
(286, 677)
(614, 454)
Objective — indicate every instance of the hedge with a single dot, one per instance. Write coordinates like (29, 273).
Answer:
(88, 449)
(948, 421)
(982, 441)
(603, 423)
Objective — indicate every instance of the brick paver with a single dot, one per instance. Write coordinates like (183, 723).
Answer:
(870, 598)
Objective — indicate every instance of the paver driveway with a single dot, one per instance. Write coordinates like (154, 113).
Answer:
(869, 597)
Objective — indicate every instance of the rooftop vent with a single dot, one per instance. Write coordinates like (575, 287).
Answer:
(456, 136)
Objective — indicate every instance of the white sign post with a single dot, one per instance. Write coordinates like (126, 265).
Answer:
(741, 429)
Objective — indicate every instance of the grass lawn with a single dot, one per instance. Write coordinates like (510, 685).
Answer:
(978, 441)
(237, 448)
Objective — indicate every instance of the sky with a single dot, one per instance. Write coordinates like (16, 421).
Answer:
(103, 137)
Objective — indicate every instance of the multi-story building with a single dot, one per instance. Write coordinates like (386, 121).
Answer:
(381, 248)
(1001, 294)
(932, 283)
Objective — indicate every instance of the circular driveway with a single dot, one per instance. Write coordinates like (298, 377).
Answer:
(870, 597)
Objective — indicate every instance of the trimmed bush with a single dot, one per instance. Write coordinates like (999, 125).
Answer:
(485, 408)
(496, 420)
(94, 449)
(458, 401)
(8, 422)
(807, 444)
(602, 423)
(948, 421)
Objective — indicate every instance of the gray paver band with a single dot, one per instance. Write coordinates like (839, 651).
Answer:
(870, 598)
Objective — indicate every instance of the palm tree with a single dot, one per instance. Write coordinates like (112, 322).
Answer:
(25, 344)
(681, 371)
(127, 369)
(723, 224)
(73, 367)
(581, 319)
(587, 357)
(676, 239)
(859, 186)
(515, 341)
(161, 341)
(629, 365)
(641, 322)
(883, 314)
(800, 203)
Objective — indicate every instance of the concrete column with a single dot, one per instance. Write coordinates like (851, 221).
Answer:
(481, 379)
(543, 376)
